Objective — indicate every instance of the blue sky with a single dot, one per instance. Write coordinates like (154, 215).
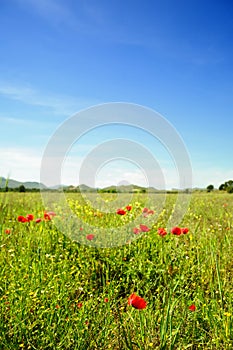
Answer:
(58, 57)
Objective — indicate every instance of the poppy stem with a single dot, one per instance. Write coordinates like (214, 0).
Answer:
(142, 326)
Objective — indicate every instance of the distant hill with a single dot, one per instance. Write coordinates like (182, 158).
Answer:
(15, 184)
(31, 185)
(129, 189)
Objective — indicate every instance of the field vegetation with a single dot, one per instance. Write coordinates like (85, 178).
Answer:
(161, 290)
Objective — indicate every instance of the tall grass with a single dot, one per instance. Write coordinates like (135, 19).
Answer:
(58, 294)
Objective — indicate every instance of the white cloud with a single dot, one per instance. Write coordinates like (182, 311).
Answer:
(204, 177)
(59, 104)
(21, 164)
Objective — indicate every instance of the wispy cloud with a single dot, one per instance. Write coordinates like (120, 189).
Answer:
(20, 163)
(54, 11)
(58, 104)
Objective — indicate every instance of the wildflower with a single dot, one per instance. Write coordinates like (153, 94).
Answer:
(47, 216)
(121, 212)
(30, 217)
(79, 305)
(147, 211)
(136, 230)
(38, 220)
(192, 307)
(176, 231)
(22, 219)
(128, 207)
(144, 228)
(137, 302)
(162, 232)
(185, 230)
(151, 212)
(106, 300)
(90, 237)
(7, 231)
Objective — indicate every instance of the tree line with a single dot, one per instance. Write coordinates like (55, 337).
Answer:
(226, 186)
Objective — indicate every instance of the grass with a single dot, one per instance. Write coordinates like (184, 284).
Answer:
(56, 293)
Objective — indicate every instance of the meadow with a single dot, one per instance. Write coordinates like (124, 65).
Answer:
(58, 293)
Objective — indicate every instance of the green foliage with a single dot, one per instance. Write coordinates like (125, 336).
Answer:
(53, 290)
(210, 188)
(227, 186)
(22, 188)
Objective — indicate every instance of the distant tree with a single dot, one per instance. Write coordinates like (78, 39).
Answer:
(210, 188)
(230, 189)
(22, 188)
(227, 186)
(222, 187)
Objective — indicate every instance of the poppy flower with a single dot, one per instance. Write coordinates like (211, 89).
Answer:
(47, 216)
(7, 231)
(137, 302)
(145, 210)
(185, 230)
(106, 300)
(192, 307)
(136, 230)
(151, 212)
(38, 220)
(144, 228)
(22, 219)
(162, 232)
(128, 207)
(176, 231)
(121, 212)
(90, 237)
(30, 217)
(79, 305)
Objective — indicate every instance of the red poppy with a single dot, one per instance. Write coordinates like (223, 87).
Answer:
(144, 228)
(22, 219)
(137, 302)
(38, 220)
(128, 207)
(147, 212)
(90, 237)
(7, 231)
(185, 230)
(79, 305)
(106, 300)
(47, 216)
(151, 212)
(30, 217)
(192, 307)
(121, 212)
(176, 231)
(136, 230)
(162, 232)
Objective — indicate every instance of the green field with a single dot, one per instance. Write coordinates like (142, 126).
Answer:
(56, 293)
